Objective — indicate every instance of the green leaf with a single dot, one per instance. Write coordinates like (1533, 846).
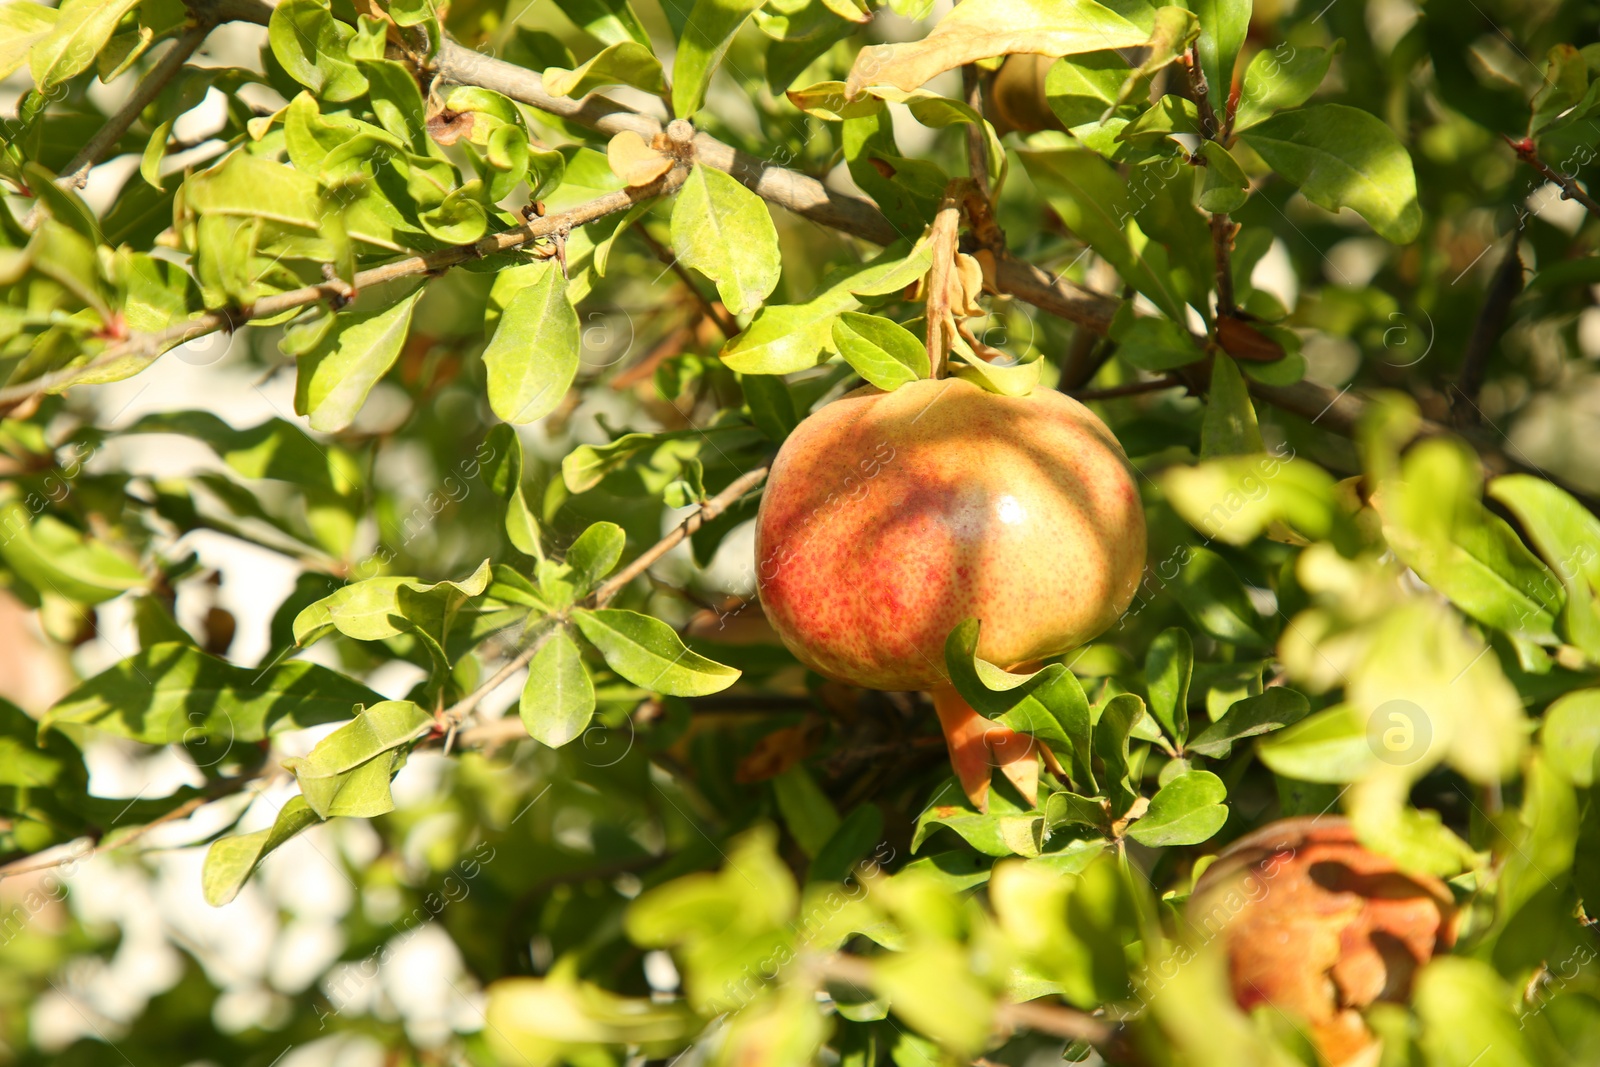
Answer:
(1014, 379)
(313, 47)
(1007, 829)
(1237, 499)
(650, 654)
(503, 471)
(58, 559)
(807, 812)
(1048, 704)
(1281, 78)
(533, 356)
(1097, 206)
(335, 377)
(380, 608)
(827, 101)
(1342, 156)
(984, 29)
(1230, 427)
(248, 185)
(1224, 186)
(1167, 667)
(272, 449)
(705, 39)
(1434, 522)
(882, 351)
(348, 772)
(1223, 26)
(1115, 725)
(231, 860)
(1568, 537)
(155, 150)
(1186, 811)
(1168, 116)
(173, 693)
(1272, 710)
(784, 338)
(459, 219)
(1330, 746)
(725, 232)
(22, 25)
(1152, 344)
(1570, 736)
(558, 698)
(623, 63)
(1465, 1012)
(612, 21)
(68, 47)
(28, 761)
(1080, 89)
(595, 553)
(1216, 600)
(857, 834)
(1173, 30)
(771, 405)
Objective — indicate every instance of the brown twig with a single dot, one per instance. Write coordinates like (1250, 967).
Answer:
(1221, 226)
(76, 174)
(1570, 189)
(217, 790)
(1169, 381)
(977, 144)
(713, 310)
(149, 345)
(607, 590)
(1503, 289)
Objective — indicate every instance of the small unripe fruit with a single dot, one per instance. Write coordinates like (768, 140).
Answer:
(889, 518)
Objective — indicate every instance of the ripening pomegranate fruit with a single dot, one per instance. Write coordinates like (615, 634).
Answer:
(889, 518)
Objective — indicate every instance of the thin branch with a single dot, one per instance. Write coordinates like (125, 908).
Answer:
(219, 789)
(1056, 1020)
(1221, 227)
(1503, 289)
(684, 530)
(713, 311)
(1222, 253)
(166, 68)
(149, 345)
(977, 143)
(610, 588)
(1169, 381)
(1570, 189)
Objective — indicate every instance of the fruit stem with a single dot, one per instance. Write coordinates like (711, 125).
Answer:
(942, 236)
(979, 745)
